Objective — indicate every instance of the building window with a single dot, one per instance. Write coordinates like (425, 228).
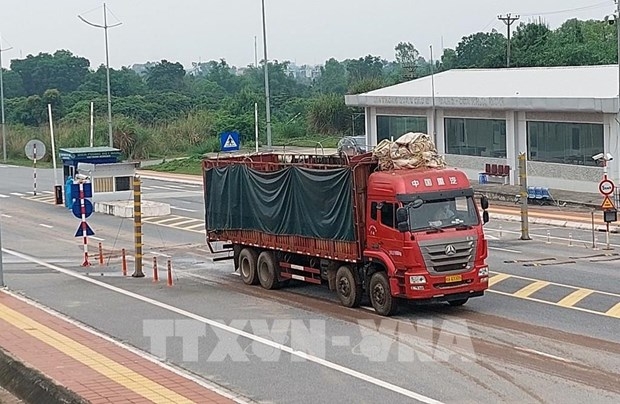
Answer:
(395, 126)
(122, 183)
(566, 143)
(476, 137)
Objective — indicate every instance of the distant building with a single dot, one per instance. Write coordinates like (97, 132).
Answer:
(559, 116)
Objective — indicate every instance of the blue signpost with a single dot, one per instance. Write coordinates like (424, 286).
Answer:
(230, 141)
(83, 208)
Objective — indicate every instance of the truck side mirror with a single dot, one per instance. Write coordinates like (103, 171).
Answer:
(401, 215)
(485, 217)
(484, 202)
(403, 227)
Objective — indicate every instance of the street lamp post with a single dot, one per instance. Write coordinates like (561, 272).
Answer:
(267, 104)
(105, 27)
(2, 102)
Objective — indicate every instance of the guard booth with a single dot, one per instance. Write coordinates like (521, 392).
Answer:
(111, 180)
(71, 157)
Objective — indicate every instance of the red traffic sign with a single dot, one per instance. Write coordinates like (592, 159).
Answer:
(606, 187)
(607, 204)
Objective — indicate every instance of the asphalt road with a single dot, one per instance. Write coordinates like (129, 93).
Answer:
(546, 332)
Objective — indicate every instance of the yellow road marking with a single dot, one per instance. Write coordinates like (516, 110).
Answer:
(530, 289)
(614, 311)
(96, 361)
(575, 297)
(497, 278)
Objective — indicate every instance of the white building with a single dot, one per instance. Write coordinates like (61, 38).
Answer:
(559, 116)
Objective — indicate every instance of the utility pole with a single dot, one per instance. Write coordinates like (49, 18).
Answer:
(2, 102)
(525, 234)
(255, 53)
(508, 19)
(433, 97)
(105, 27)
(267, 104)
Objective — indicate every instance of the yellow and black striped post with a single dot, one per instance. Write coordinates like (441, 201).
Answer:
(137, 225)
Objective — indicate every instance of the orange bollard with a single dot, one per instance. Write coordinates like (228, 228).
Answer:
(124, 258)
(155, 270)
(100, 254)
(169, 273)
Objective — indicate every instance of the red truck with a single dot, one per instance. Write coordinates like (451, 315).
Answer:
(412, 234)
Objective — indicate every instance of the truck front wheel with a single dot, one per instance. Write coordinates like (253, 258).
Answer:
(247, 266)
(267, 270)
(348, 287)
(380, 296)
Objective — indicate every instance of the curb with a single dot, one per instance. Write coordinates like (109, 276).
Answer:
(32, 386)
(556, 223)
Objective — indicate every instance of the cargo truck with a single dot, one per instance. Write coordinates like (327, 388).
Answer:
(412, 234)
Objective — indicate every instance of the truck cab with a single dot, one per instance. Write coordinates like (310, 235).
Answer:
(424, 227)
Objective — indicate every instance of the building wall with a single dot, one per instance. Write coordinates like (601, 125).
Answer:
(560, 176)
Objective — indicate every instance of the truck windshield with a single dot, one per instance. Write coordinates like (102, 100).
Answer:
(459, 212)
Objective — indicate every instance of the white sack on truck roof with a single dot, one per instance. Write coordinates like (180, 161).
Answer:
(411, 150)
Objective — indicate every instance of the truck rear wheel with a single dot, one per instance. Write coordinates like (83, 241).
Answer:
(348, 287)
(380, 296)
(247, 266)
(267, 270)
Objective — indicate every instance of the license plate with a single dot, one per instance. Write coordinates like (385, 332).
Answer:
(454, 278)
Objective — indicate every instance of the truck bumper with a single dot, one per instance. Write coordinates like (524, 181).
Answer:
(446, 288)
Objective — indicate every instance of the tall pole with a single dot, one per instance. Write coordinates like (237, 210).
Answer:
(508, 20)
(255, 53)
(137, 225)
(105, 27)
(267, 104)
(618, 116)
(525, 234)
(53, 140)
(1, 262)
(433, 97)
(2, 103)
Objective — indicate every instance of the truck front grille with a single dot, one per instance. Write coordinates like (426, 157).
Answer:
(448, 256)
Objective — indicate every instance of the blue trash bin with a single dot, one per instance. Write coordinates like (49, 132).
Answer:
(483, 178)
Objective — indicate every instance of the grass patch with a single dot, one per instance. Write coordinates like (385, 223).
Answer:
(190, 165)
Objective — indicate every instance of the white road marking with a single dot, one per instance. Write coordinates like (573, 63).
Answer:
(183, 209)
(97, 238)
(4, 196)
(284, 348)
(133, 350)
(574, 240)
(5, 215)
(47, 226)
(176, 187)
(546, 355)
(505, 250)
(158, 187)
(17, 194)
(159, 254)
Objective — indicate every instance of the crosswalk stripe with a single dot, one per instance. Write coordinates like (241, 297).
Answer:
(531, 289)
(497, 279)
(4, 196)
(575, 297)
(17, 194)
(614, 311)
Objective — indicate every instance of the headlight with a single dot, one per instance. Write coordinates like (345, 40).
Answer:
(484, 271)
(417, 280)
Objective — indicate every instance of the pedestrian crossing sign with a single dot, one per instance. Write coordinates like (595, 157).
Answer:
(229, 141)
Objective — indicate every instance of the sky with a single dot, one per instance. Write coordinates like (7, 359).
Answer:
(300, 31)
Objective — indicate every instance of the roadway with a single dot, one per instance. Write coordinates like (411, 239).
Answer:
(547, 331)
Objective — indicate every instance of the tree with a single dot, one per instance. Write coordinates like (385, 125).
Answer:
(530, 44)
(165, 76)
(329, 115)
(368, 69)
(482, 50)
(13, 84)
(62, 71)
(123, 82)
(449, 59)
(333, 79)
(407, 57)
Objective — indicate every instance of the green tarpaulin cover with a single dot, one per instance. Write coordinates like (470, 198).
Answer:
(292, 201)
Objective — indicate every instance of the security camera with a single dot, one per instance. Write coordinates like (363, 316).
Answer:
(610, 19)
(603, 156)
